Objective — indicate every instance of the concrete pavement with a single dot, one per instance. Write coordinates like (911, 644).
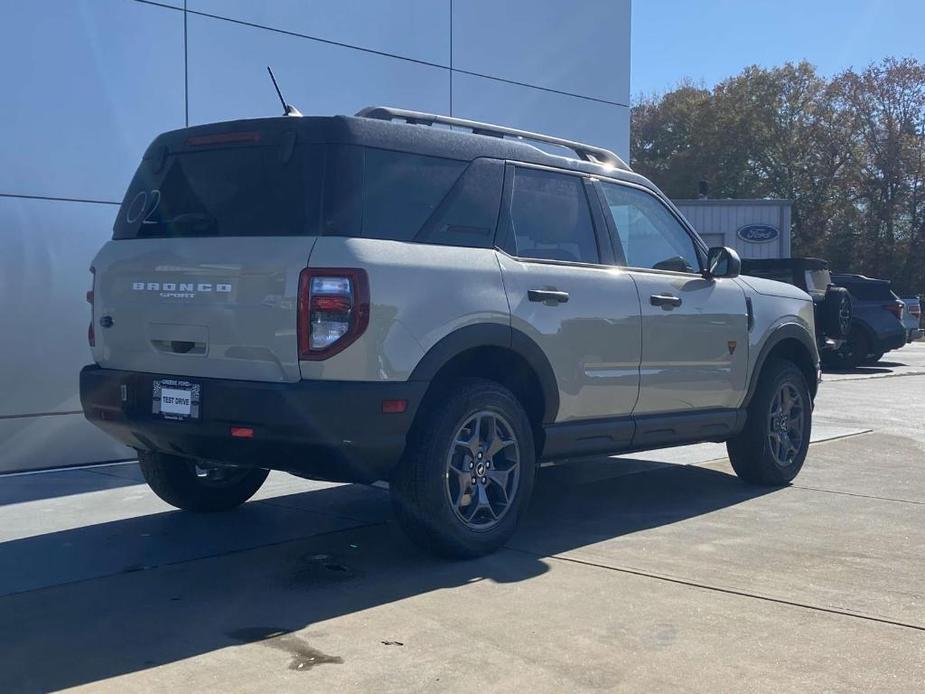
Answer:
(657, 572)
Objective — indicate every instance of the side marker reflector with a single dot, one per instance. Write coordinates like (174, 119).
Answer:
(394, 406)
(242, 432)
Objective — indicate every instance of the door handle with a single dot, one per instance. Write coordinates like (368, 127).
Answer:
(551, 296)
(665, 300)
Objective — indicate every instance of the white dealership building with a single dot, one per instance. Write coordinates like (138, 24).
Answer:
(88, 83)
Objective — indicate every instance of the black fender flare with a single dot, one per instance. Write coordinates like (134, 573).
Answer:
(787, 331)
(493, 335)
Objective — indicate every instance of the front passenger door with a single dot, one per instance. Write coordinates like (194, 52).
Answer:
(694, 329)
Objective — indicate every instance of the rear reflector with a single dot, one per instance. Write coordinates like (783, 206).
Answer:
(394, 406)
(242, 432)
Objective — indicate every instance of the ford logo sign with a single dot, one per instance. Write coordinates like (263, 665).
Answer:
(757, 233)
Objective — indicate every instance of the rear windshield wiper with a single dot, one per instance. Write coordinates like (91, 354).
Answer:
(199, 221)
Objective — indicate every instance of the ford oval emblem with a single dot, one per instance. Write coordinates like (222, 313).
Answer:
(757, 233)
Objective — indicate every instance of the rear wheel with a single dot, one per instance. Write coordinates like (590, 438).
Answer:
(195, 486)
(872, 359)
(467, 473)
(851, 353)
(771, 448)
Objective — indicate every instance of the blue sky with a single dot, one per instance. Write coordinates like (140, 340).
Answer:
(708, 40)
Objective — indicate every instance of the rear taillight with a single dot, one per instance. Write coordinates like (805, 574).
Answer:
(915, 310)
(333, 310)
(91, 336)
(896, 308)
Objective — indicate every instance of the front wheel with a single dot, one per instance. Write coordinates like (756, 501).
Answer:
(771, 448)
(467, 473)
(195, 486)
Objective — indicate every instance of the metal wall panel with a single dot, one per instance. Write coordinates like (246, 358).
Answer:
(579, 47)
(36, 443)
(534, 109)
(228, 76)
(726, 217)
(86, 85)
(44, 277)
(416, 29)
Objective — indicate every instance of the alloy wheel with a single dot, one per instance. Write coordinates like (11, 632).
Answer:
(786, 424)
(483, 470)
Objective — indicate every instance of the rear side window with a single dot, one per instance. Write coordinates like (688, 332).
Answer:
(253, 190)
(401, 191)
(399, 196)
(549, 217)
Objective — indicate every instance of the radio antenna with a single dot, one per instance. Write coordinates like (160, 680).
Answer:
(288, 109)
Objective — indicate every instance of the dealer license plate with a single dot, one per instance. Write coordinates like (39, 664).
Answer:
(174, 399)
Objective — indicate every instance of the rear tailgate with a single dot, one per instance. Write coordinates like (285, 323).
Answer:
(220, 308)
(202, 273)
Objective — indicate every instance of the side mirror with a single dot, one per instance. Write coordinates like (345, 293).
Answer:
(723, 261)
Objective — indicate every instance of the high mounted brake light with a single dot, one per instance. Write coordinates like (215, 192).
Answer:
(333, 310)
(222, 139)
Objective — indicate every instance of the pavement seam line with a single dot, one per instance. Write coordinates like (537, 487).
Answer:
(860, 432)
(872, 377)
(726, 591)
(861, 496)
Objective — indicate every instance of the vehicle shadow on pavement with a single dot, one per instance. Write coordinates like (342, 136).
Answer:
(90, 630)
(53, 485)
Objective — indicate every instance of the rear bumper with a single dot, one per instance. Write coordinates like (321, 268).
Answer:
(333, 430)
(892, 340)
(915, 334)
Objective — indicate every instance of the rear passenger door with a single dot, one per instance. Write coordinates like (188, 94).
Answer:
(694, 329)
(565, 293)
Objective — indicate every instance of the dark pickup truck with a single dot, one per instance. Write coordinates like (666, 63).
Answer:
(832, 305)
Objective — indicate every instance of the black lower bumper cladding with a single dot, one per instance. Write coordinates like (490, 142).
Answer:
(332, 430)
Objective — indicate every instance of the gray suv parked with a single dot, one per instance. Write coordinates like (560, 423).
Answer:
(381, 297)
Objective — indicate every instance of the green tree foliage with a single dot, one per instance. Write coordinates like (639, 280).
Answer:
(849, 151)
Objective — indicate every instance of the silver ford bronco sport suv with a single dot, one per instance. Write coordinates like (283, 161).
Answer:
(430, 301)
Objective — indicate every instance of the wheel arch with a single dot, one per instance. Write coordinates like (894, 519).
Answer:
(502, 354)
(790, 342)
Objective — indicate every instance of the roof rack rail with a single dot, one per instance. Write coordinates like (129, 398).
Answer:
(597, 155)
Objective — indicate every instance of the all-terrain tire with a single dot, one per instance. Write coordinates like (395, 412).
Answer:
(852, 352)
(872, 359)
(755, 452)
(428, 497)
(837, 313)
(174, 480)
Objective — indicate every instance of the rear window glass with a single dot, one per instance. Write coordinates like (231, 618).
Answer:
(313, 189)
(232, 191)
